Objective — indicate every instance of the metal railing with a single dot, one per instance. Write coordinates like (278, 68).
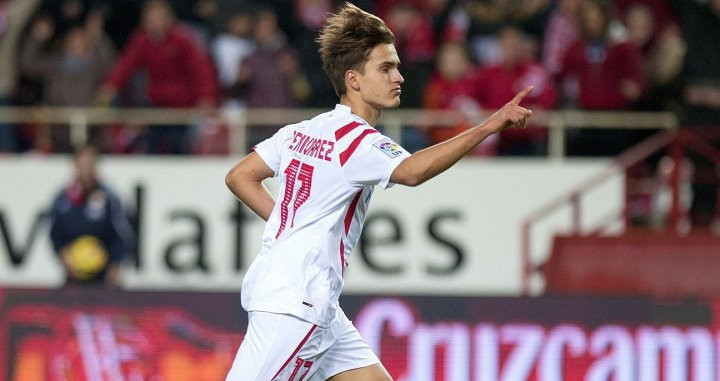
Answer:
(676, 142)
(573, 198)
(240, 120)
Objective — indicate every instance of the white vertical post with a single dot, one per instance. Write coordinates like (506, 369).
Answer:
(236, 118)
(78, 128)
(556, 137)
(393, 129)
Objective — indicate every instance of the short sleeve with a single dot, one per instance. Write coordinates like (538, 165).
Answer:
(374, 161)
(270, 150)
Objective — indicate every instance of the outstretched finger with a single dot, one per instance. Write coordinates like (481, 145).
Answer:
(519, 97)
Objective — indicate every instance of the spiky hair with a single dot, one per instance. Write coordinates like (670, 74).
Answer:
(346, 41)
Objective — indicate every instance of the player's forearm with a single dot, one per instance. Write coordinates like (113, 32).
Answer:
(245, 181)
(254, 195)
(430, 162)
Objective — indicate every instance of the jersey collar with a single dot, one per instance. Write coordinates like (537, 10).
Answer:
(341, 108)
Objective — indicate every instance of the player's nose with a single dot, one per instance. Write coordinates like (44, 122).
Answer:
(398, 77)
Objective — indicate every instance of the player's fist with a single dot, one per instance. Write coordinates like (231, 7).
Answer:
(512, 115)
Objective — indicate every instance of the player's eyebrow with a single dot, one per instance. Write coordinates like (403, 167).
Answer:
(389, 64)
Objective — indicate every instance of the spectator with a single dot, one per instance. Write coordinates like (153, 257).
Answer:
(517, 70)
(14, 14)
(453, 86)
(532, 17)
(451, 22)
(179, 73)
(662, 13)
(561, 32)
(231, 48)
(201, 20)
(701, 24)
(67, 15)
(88, 228)
(486, 19)
(122, 19)
(312, 13)
(663, 53)
(412, 23)
(415, 44)
(310, 16)
(271, 75)
(610, 77)
(610, 72)
(71, 74)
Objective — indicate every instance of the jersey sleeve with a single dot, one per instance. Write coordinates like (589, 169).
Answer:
(270, 150)
(373, 161)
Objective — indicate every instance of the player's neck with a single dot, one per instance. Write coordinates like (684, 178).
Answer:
(366, 111)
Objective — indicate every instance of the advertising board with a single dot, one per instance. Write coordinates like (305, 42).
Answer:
(104, 335)
(458, 233)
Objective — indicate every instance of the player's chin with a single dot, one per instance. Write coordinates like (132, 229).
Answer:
(393, 102)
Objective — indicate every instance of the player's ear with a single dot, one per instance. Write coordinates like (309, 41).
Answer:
(351, 80)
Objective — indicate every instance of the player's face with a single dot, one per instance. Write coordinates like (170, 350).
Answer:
(380, 81)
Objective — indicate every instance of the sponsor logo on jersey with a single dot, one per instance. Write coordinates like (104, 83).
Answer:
(389, 148)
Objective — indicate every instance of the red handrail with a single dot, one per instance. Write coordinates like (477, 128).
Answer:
(624, 161)
(678, 142)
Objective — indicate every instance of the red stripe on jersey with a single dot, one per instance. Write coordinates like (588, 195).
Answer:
(342, 257)
(344, 130)
(351, 211)
(345, 155)
(292, 356)
(348, 221)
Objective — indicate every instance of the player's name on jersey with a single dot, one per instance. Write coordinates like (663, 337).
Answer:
(312, 146)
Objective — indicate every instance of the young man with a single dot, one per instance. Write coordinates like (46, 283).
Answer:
(327, 168)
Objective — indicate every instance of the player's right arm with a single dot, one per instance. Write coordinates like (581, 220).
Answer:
(430, 162)
(245, 182)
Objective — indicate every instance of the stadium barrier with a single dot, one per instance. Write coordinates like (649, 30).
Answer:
(239, 120)
(95, 335)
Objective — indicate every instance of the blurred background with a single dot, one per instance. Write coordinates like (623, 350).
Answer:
(584, 247)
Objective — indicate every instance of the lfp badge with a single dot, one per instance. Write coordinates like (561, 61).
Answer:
(389, 148)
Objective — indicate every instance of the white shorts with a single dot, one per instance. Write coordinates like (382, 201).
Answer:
(279, 347)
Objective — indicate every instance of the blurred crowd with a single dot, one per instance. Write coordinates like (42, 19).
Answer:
(463, 55)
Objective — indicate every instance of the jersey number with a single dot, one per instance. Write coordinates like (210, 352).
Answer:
(300, 363)
(294, 172)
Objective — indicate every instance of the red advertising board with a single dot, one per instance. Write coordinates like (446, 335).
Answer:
(102, 335)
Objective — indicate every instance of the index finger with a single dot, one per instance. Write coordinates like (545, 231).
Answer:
(519, 97)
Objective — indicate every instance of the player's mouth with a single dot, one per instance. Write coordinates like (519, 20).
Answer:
(397, 90)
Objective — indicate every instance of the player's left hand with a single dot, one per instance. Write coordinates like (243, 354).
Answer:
(512, 115)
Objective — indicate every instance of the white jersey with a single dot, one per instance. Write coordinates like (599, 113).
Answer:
(327, 168)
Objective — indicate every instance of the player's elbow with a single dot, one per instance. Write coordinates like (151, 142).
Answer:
(414, 181)
(240, 179)
(411, 181)
(231, 179)
(406, 176)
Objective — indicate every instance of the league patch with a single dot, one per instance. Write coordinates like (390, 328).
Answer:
(389, 148)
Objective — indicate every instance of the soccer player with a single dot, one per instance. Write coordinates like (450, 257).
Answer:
(327, 169)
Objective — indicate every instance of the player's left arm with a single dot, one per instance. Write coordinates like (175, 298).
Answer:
(245, 181)
(430, 162)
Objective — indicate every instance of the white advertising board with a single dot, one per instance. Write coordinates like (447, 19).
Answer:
(456, 234)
